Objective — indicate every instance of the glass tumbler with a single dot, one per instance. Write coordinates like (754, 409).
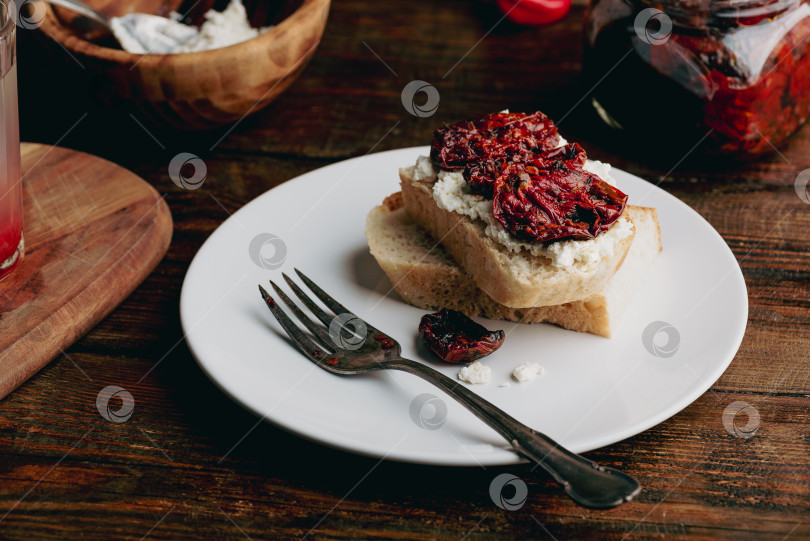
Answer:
(11, 200)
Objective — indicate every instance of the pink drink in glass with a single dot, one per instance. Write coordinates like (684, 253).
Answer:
(11, 207)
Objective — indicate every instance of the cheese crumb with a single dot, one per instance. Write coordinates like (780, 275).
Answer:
(527, 372)
(475, 373)
(424, 169)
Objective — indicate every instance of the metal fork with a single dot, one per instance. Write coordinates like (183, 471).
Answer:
(345, 344)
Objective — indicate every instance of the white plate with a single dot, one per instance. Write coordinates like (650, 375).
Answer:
(594, 391)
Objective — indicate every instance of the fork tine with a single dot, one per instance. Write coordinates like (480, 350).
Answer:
(334, 305)
(309, 348)
(325, 318)
(318, 330)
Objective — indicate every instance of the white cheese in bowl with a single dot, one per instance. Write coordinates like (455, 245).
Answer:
(141, 33)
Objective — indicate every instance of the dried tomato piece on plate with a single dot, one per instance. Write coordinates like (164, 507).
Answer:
(455, 338)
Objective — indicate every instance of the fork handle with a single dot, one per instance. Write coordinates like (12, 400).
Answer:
(585, 481)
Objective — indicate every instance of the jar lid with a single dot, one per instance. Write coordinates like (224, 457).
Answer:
(732, 11)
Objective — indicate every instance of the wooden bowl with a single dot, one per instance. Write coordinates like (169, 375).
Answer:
(195, 90)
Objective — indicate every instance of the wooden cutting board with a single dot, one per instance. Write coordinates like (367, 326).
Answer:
(93, 232)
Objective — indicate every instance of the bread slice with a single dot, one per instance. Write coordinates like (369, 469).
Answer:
(516, 280)
(425, 275)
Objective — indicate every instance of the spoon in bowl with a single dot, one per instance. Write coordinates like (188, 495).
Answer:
(139, 33)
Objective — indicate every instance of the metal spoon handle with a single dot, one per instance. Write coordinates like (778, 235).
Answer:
(77, 6)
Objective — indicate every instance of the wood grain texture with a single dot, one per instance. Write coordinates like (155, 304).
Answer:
(195, 90)
(190, 464)
(93, 232)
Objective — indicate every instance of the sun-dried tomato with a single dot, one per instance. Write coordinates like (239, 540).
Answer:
(545, 204)
(481, 175)
(492, 136)
(455, 338)
(540, 191)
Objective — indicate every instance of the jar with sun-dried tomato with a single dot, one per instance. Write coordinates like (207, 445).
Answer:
(730, 76)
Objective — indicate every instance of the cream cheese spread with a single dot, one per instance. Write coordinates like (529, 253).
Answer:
(451, 193)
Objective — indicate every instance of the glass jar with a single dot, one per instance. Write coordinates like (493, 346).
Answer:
(728, 76)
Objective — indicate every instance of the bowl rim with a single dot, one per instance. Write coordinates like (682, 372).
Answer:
(60, 33)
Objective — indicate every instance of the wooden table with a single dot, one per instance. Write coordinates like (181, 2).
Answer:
(191, 464)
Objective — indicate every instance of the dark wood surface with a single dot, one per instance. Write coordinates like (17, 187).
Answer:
(67, 472)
